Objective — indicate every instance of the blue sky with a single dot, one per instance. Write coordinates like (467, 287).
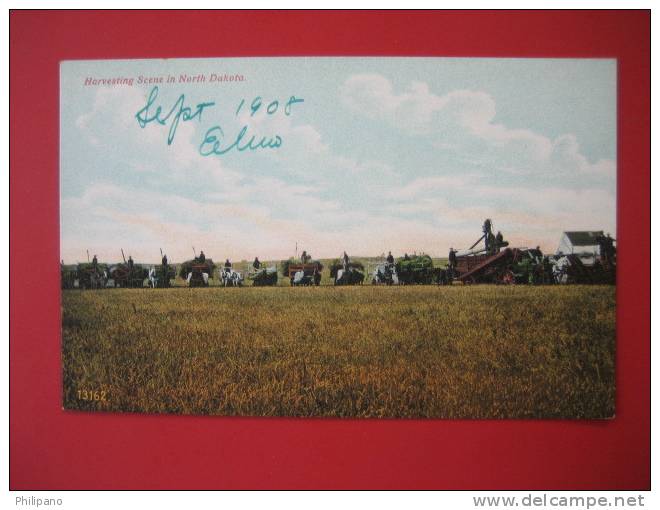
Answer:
(401, 154)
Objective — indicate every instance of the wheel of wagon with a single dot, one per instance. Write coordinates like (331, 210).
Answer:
(508, 278)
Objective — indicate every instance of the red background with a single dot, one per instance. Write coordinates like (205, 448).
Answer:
(53, 449)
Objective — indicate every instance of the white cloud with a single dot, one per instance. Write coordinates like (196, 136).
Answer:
(463, 120)
(326, 201)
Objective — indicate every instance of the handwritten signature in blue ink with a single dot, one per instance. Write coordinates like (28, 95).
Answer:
(212, 142)
(178, 112)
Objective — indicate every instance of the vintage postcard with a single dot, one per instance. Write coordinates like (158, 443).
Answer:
(339, 237)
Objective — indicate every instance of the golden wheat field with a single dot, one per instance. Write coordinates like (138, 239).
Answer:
(418, 351)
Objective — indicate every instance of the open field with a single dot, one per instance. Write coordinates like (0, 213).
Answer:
(418, 351)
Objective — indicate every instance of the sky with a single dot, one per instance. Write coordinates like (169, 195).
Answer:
(374, 154)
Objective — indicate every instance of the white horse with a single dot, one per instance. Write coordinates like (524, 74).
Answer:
(98, 280)
(560, 269)
(231, 278)
(385, 274)
(153, 277)
(205, 278)
(300, 279)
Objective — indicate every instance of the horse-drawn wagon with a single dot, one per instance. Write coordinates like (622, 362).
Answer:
(229, 277)
(417, 269)
(353, 274)
(123, 275)
(385, 274)
(160, 276)
(197, 272)
(263, 277)
(571, 269)
(89, 276)
(302, 274)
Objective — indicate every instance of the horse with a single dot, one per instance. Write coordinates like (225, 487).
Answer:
(560, 269)
(264, 276)
(300, 279)
(385, 274)
(195, 282)
(153, 277)
(349, 277)
(89, 279)
(231, 278)
(98, 280)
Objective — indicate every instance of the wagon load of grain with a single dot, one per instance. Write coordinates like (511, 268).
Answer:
(299, 273)
(265, 276)
(88, 276)
(160, 276)
(194, 265)
(351, 275)
(68, 276)
(122, 276)
(197, 272)
(295, 263)
(336, 265)
(160, 272)
(415, 269)
(86, 267)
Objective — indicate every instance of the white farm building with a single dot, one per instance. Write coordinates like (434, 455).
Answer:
(582, 243)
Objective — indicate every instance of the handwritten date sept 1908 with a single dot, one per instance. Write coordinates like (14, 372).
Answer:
(214, 141)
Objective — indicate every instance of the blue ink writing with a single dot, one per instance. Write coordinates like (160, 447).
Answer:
(215, 141)
(178, 112)
(212, 142)
(272, 106)
(292, 100)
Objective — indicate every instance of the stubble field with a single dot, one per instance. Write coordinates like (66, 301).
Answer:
(418, 351)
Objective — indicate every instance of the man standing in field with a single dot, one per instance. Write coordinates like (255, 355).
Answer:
(345, 261)
(202, 257)
(452, 262)
(390, 258)
(256, 264)
(165, 269)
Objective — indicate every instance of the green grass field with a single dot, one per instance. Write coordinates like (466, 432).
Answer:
(418, 351)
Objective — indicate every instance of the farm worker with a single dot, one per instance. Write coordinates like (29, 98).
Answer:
(304, 257)
(130, 264)
(499, 239)
(390, 258)
(406, 257)
(166, 280)
(611, 248)
(452, 258)
(489, 238)
(345, 261)
(95, 264)
(202, 257)
(227, 264)
(256, 264)
(607, 249)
